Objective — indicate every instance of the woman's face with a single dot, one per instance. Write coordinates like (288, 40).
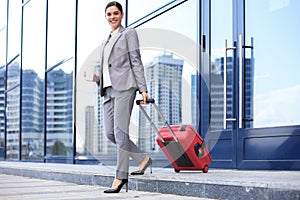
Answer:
(114, 17)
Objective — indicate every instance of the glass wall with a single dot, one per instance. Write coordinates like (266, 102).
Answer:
(49, 51)
(47, 56)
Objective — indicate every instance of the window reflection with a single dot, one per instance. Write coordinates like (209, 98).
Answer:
(170, 71)
(59, 76)
(61, 27)
(270, 28)
(13, 110)
(90, 36)
(2, 120)
(169, 74)
(14, 29)
(164, 80)
(59, 120)
(33, 67)
(221, 29)
(32, 115)
(137, 11)
(13, 81)
(3, 6)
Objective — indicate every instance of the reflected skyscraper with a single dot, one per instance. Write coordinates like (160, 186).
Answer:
(32, 115)
(194, 101)
(59, 108)
(32, 112)
(59, 111)
(2, 90)
(90, 137)
(12, 110)
(164, 81)
(217, 93)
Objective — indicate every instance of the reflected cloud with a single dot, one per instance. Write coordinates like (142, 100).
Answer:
(277, 108)
(262, 76)
(278, 4)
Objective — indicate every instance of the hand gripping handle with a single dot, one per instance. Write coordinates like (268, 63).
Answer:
(138, 102)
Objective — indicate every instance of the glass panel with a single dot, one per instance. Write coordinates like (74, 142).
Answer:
(3, 17)
(2, 119)
(90, 139)
(3, 6)
(90, 36)
(136, 10)
(169, 52)
(13, 80)
(33, 67)
(13, 110)
(221, 29)
(61, 31)
(271, 27)
(14, 29)
(60, 66)
(59, 111)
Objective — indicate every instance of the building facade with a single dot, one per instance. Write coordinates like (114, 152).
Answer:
(236, 78)
(32, 115)
(167, 92)
(59, 114)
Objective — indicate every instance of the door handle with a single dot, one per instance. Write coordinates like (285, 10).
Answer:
(241, 81)
(241, 78)
(225, 119)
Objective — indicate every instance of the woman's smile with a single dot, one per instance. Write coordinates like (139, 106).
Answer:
(114, 17)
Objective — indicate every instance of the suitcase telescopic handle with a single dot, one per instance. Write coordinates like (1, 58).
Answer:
(138, 102)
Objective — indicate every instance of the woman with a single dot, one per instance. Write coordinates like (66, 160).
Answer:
(121, 75)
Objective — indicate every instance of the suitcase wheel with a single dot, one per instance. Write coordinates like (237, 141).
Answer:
(177, 170)
(205, 169)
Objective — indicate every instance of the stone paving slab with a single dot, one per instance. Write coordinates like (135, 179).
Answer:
(217, 183)
(24, 188)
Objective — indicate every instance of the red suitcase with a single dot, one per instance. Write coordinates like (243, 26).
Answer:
(182, 145)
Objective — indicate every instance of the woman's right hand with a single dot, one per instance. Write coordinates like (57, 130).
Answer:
(96, 78)
(145, 97)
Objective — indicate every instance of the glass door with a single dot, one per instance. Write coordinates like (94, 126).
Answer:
(219, 73)
(249, 63)
(269, 85)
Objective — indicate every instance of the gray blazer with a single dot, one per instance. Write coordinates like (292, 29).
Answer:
(124, 62)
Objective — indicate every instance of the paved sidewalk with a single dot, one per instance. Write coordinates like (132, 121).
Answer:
(22, 188)
(216, 184)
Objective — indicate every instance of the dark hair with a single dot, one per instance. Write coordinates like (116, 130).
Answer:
(114, 3)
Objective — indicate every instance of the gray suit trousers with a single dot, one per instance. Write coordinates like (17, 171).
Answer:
(117, 111)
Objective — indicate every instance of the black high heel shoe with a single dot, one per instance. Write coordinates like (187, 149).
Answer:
(117, 189)
(143, 168)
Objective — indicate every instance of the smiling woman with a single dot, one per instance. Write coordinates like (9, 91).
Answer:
(120, 76)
